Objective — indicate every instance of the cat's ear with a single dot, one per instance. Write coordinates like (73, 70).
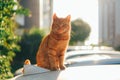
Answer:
(68, 17)
(54, 16)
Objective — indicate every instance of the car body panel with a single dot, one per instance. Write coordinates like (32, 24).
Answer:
(97, 72)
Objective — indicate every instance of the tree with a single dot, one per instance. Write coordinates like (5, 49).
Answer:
(80, 31)
(8, 39)
(29, 44)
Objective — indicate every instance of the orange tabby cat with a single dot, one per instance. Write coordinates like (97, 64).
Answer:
(51, 52)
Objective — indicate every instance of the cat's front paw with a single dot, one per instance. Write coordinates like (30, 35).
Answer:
(62, 67)
(54, 68)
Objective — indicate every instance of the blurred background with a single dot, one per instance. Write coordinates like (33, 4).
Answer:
(95, 24)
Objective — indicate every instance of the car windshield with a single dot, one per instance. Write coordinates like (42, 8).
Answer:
(92, 58)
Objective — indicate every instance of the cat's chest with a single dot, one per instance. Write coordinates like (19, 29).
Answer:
(57, 43)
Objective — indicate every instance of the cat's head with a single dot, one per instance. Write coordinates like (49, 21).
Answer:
(61, 25)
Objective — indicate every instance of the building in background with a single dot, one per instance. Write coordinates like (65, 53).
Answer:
(46, 12)
(109, 22)
(41, 13)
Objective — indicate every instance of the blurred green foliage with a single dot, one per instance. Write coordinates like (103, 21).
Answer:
(29, 44)
(8, 39)
(80, 31)
(117, 48)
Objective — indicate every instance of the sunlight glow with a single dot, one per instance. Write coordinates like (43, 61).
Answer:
(106, 72)
(84, 9)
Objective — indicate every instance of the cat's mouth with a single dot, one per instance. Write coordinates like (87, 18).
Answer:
(60, 30)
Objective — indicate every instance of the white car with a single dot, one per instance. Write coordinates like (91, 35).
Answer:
(79, 67)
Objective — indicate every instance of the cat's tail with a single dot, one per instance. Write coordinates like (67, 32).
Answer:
(27, 62)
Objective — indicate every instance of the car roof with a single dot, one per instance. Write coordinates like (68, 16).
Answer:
(98, 72)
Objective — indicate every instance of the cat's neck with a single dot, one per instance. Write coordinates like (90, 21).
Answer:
(64, 36)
